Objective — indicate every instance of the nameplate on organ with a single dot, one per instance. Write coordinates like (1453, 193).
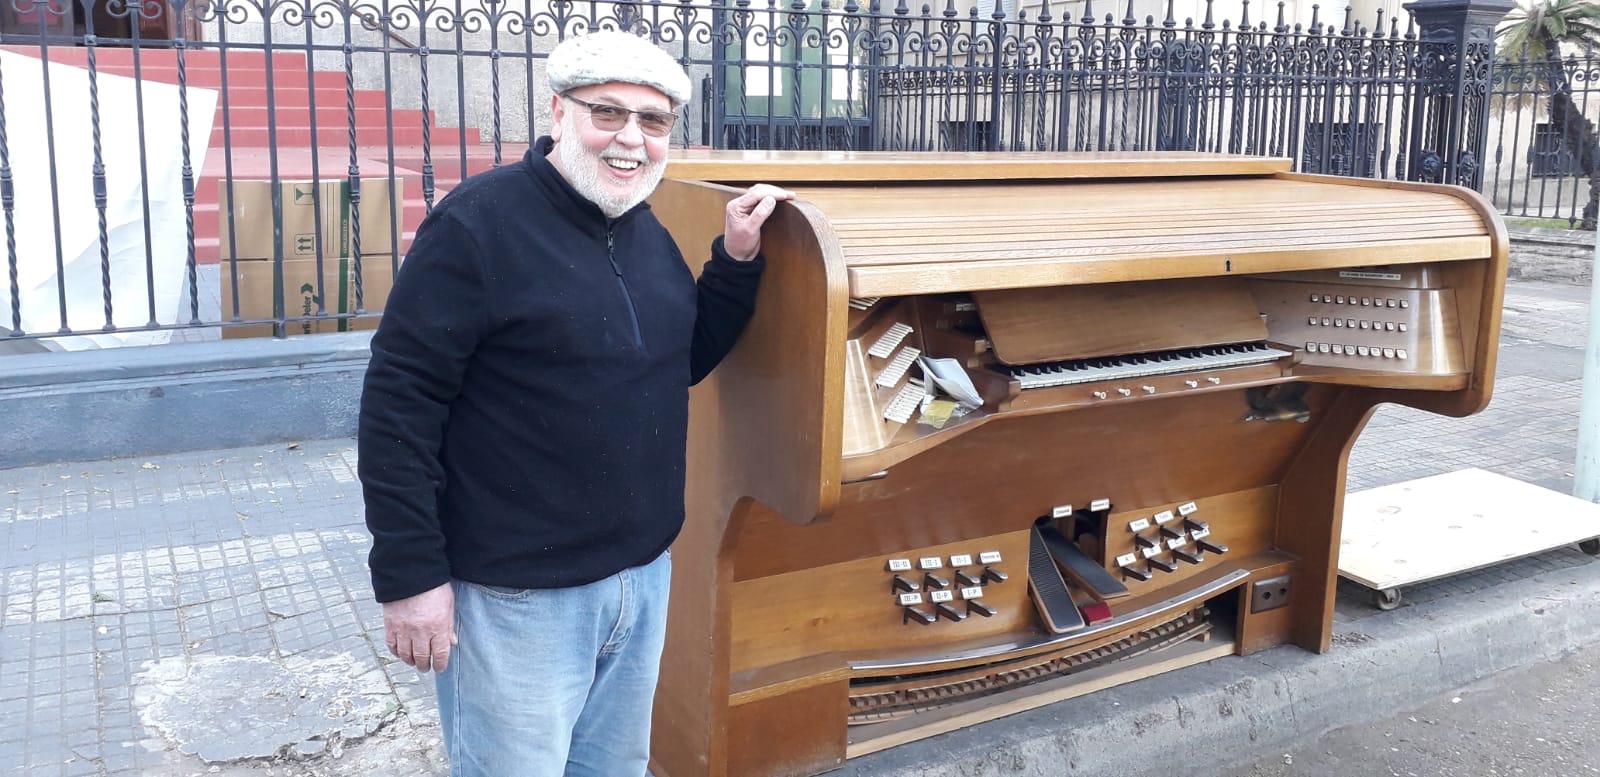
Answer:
(1007, 428)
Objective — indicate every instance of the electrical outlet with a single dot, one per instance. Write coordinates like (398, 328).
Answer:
(1270, 593)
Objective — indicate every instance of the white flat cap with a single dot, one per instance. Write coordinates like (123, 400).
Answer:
(607, 56)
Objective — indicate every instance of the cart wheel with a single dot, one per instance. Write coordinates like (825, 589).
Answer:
(1590, 546)
(1386, 598)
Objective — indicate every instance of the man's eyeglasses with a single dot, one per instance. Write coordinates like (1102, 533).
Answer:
(612, 118)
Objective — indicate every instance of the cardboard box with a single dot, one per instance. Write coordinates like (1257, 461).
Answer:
(301, 293)
(252, 227)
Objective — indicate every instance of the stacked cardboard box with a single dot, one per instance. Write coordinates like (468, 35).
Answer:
(252, 239)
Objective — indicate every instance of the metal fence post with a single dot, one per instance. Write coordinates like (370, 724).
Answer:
(1448, 135)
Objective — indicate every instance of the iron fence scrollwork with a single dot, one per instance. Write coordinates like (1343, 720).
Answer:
(419, 94)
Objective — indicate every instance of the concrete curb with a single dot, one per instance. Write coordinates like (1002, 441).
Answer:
(1547, 254)
(1208, 718)
(90, 405)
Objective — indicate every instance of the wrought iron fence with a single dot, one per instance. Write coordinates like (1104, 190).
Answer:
(1545, 153)
(204, 166)
(1336, 99)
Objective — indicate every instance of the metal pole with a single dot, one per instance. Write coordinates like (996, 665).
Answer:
(1586, 475)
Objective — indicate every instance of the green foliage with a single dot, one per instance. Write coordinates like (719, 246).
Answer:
(1537, 28)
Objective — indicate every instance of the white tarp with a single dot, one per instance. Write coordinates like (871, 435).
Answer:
(39, 283)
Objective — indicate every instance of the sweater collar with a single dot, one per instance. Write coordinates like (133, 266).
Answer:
(574, 205)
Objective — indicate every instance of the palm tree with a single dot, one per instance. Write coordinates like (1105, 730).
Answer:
(1530, 39)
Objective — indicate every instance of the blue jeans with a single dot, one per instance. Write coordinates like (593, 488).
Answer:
(552, 682)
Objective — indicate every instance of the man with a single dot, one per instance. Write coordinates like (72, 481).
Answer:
(524, 418)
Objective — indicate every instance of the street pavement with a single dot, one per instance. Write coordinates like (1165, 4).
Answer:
(210, 613)
(1534, 721)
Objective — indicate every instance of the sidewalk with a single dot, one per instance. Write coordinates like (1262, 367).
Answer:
(209, 613)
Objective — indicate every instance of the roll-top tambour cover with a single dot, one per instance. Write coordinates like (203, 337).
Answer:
(1007, 261)
(928, 223)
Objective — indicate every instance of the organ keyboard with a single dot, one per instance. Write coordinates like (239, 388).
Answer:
(1007, 427)
(1031, 376)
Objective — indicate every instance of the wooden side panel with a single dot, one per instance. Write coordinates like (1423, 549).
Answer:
(1310, 512)
(798, 733)
(1480, 295)
(1269, 628)
(784, 379)
(765, 424)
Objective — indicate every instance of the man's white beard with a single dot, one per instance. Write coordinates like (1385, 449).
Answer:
(583, 172)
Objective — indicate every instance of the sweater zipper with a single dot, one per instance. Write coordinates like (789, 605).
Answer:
(622, 283)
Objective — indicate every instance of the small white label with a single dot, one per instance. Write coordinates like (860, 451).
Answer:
(941, 596)
(989, 557)
(961, 560)
(1060, 511)
(1177, 542)
(906, 600)
(899, 565)
(972, 592)
(1099, 505)
(1151, 552)
(1187, 509)
(930, 562)
(1200, 534)
(1369, 276)
(1139, 525)
(1127, 559)
(1164, 516)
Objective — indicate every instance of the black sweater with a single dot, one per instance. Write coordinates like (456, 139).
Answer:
(524, 414)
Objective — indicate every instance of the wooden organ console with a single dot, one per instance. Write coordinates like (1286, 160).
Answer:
(1173, 354)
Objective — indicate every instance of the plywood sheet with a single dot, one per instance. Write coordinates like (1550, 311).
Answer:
(1446, 524)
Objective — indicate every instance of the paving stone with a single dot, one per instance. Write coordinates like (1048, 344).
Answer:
(229, 708)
